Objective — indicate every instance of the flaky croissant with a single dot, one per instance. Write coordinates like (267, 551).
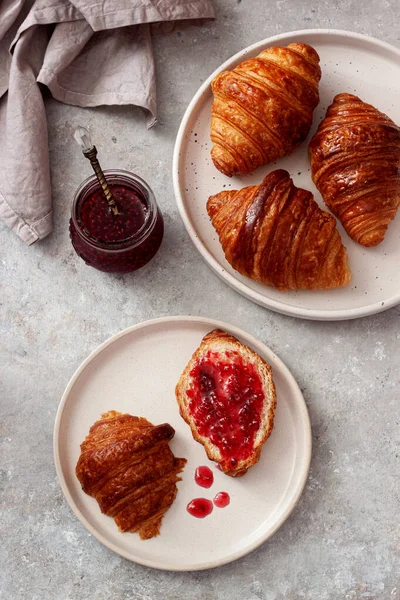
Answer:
(263, 108)
(128, 467)
(355, 164)
(276, 233)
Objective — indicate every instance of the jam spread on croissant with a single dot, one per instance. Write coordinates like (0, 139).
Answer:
(127, 465)
(226, 401)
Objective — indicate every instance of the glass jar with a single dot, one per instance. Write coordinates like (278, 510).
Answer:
(116, 243)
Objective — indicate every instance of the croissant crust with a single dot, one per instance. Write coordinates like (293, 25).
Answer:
(128, 467)
(355, 164)
(276, 233)
(263, 108)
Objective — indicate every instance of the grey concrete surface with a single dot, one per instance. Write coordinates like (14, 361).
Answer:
(342, 542)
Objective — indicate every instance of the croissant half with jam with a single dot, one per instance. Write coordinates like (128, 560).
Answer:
(355, 164)
(276, 233)
(263, 108)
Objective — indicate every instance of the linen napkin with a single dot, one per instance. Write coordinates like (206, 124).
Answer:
(88, 53)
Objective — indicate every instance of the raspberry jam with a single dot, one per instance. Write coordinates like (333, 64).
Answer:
(101, 223)
(116, 243)
(226, 401)
(204, 477)
(222, 499)
(200, 508)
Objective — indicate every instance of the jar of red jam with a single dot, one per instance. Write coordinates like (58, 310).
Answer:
(117, 243)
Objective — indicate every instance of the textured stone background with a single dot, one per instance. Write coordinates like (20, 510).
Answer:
(343, 539)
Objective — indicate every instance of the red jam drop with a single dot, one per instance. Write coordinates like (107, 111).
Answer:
(200, 508)
(204, 477)
(222, 499)
(102, 224)
(226, 400)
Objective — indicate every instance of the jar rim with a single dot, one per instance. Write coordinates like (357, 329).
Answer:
(114, 176)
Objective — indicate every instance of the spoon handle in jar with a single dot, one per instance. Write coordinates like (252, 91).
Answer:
(92, 156)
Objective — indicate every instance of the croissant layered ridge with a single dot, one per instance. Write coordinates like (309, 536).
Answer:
(263, 108)
(355, 164)
(276, 233)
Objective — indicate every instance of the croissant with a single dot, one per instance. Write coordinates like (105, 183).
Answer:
(276, 233)
(263, 108)
(355, 164)
(128, 467)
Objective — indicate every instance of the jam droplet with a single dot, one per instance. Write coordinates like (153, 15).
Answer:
(204, 477)
(222, 499)
(200, 508)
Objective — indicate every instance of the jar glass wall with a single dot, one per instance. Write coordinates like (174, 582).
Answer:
(116, 243)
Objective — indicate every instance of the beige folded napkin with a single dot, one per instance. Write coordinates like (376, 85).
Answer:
(88, 53)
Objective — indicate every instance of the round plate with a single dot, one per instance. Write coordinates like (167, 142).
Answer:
(350, 63)
(136, 372)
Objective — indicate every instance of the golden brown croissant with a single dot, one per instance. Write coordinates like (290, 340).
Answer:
(263, 108)
(276, 233)
(355, 164)
(128, 467)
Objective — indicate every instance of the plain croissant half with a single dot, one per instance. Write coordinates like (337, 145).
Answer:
(263, 108)
(127, 465)
(355, 164)
(277, 234)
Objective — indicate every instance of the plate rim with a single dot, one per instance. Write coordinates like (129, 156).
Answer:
(303, 411)
(231, 280)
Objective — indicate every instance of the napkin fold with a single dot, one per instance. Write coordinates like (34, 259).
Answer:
(88, 53)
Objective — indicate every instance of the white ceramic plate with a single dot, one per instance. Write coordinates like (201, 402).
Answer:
(350, 63)
(136, 372)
